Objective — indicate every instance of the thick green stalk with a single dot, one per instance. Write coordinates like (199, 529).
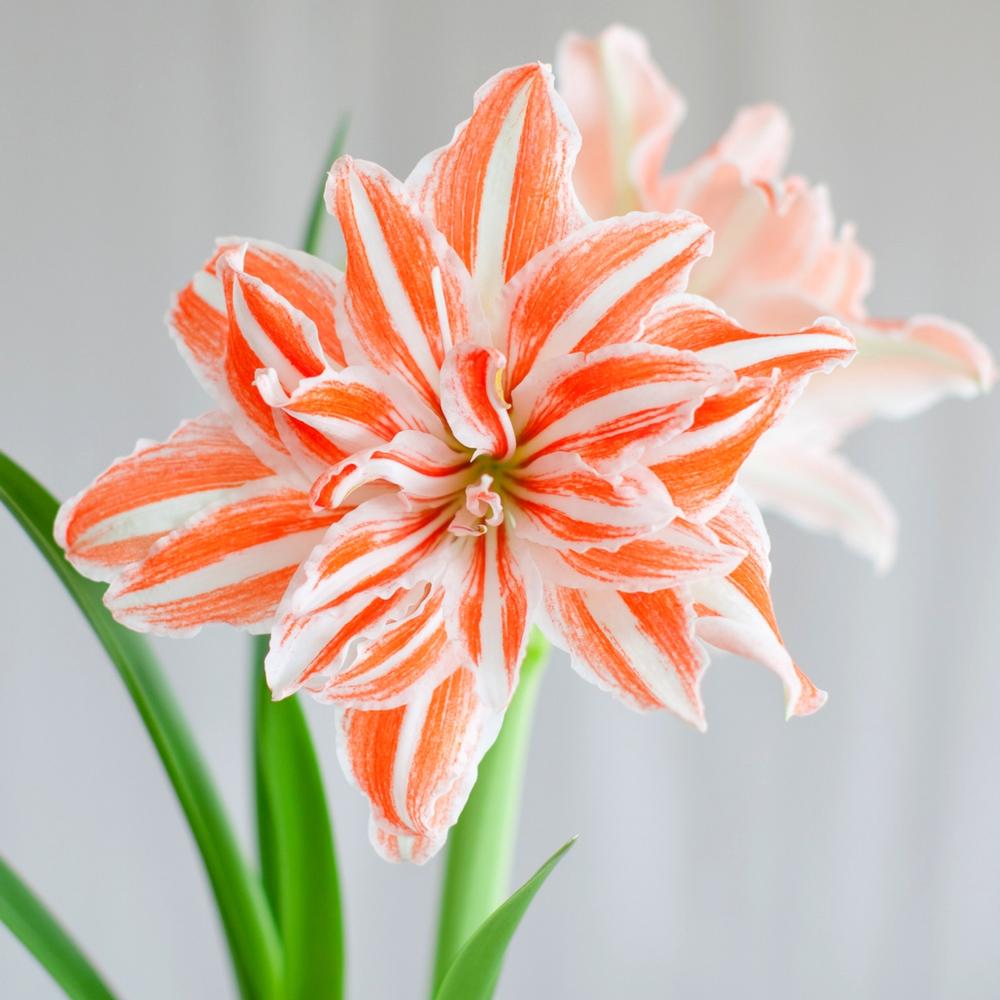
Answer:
(481, 845)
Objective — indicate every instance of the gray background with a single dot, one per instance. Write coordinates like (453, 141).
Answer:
(851, 853)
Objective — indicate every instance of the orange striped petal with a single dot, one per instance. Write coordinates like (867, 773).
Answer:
(501, 191)
(230, 563)
(491, 592)
(609, 406)
(627, 113)
(700, 466)
(353, 409)
(736, 613)
(670, 557)
(561, 501)
(594, 287)
(141, 498)
(408, 295)
(691, 323)
(420, 465)
(640, 647)
(821, 491)
(472, 400)
(197, 317)
(417, 763)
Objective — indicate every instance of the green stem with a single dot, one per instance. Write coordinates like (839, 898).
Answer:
(481, 845)
(317, 215)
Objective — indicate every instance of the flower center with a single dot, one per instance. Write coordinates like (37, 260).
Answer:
(483, 508)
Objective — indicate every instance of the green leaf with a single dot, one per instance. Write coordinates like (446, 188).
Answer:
(249, 927)
(298, 860)
(42, 935)
(474, 973)
(318, 213)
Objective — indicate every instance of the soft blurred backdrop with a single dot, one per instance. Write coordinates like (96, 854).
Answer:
(851, 853)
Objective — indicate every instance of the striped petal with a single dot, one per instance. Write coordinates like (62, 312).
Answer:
(472, 400)
(143, 497)
(609, 406)
(417, 763)
(691, 323)
(229, 563)
(491, 592)
(420, 465)
(353, 409)
(501, 191)
(821, 491)
(561, 501)
(377, 550)
(627, 113)
(670, 557)
(735, 611)
(594, 287)
(408, 295)
(197, 317)
(640, 647)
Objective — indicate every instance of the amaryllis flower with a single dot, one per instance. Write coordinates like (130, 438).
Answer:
(778, 262)
(502, 413)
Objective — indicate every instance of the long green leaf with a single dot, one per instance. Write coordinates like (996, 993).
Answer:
(317, 213)
(250, 930)
(474, 973)
(298, 860)
(45, 938)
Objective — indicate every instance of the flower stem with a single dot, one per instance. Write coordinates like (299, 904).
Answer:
(481, 845)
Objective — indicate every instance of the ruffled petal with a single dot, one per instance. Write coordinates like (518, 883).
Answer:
(141, 498)
(594, 287)
(561, 501)
(229, 563)
(491, 593)
(417, 763)
(472, 400)
(821, 491)
(501, 191)
(612, 404)
(408, 296)
(626, 111)
(375, 551)
(735, 611)
(640, 647)
(670, 557)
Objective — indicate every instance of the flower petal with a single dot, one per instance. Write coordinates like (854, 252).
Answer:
(608, 406)
(472, 400)
(420, 465)
(691, 323)
(627, 113)
(491, 592)
(417, 763)
(594, 287)
(229, 563)
(670, 557)
(560, 500)
(408, 294)
(142, 497)
(736, 613)
(501, 190)
(821, 491)
(640, 647)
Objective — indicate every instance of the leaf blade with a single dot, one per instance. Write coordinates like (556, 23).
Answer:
(474, 973)
(297, 851)
(249, 929)
(31, 923)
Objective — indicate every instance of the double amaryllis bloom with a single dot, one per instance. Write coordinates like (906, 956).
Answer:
(778, 262)
(502, 413)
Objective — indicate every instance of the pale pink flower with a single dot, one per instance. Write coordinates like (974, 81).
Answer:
(501, 413)
(778, 262)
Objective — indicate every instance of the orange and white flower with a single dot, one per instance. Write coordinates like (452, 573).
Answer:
(778, 262)
(501, 413)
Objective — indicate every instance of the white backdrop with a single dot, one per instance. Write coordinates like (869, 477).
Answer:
(853, 852)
